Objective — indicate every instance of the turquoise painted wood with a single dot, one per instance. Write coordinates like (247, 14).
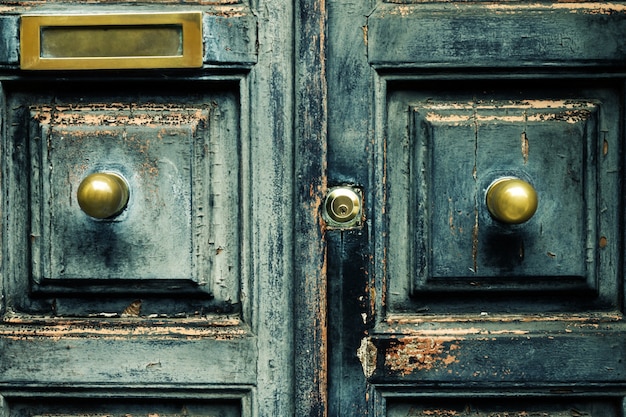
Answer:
(221, 291)
(181, 304)
(435, 308)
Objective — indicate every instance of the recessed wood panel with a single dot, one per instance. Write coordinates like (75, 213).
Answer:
(512, 407)
(484, 354)
(441, 157)
(161, 154)
(507, 35)
(179, 235)
(121, 407)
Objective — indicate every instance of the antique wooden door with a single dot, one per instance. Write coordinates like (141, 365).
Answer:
(439, 305)
(295, 210)
(146, 208)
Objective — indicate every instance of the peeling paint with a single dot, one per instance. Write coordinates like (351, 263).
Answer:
(367, 355)
(18, 328)
(525, 147)
(119, 114)
(520, 112)
(33, 3)
(579, 319)
(364, 34)
(133, 309)
(408, 355)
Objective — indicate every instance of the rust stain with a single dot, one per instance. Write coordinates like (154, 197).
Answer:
(409, 354)
(603, 242)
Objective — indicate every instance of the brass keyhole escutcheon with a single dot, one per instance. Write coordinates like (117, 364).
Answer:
(511, 200)
(103, 194)
(343, 206)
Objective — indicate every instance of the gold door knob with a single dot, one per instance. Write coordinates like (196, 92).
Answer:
(103, 194)
(511, 200)
(343, 206)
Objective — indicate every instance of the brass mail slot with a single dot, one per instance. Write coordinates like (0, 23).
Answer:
(111, 41)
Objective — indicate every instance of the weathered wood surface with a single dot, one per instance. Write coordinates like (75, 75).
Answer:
(440, 338)
(513, 35)
(125, 352)
(310, 286)
(243, 357)
(330, 324)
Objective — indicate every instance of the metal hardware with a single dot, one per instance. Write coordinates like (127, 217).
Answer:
(103, 194)
(511, 200)
(111, 41)
(343, 207)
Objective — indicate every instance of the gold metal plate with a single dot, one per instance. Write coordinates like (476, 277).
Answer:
(111, 41)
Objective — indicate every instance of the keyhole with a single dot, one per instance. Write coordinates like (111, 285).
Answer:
(343, 205)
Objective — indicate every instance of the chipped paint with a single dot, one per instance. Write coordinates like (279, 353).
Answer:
(118, 114)
(525, 147)
(364, 34)
(33, 3)
(26, 328)
(587, 318)
(408, 355)
(509, 112)
(367, 356)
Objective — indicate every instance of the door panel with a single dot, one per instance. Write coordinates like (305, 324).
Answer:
(122, 407)
(509, 407)
(560, 259)
(179, 304)
(436, 307)
(506, 35)
(158, 244)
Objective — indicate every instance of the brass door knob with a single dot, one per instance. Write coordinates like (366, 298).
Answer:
(511, 200)
(343, 206)
(103, 194)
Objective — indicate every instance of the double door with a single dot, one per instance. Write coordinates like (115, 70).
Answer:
(308, 209)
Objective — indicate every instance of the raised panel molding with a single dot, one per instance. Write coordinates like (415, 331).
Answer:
(553, 145)
(164, 154)
(443, 250)
(176, 248)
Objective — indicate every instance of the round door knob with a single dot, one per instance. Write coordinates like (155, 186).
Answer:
(103, 194)
(511, 200)
(343, 205)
